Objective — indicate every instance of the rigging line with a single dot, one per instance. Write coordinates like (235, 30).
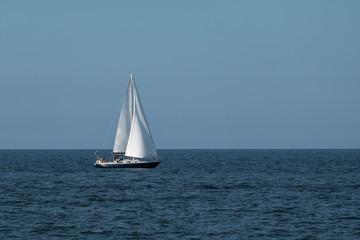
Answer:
(116, 113)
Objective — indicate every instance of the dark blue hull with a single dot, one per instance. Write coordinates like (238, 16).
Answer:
(128, 165)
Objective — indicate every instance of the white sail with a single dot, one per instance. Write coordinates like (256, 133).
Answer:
(125, 119)
(140, 143)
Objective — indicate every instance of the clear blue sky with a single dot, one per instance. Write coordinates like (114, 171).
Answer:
(211, 74)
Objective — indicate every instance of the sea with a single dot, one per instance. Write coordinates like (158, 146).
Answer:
(192, 194)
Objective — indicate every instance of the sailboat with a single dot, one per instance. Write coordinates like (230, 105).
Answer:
(134, 146)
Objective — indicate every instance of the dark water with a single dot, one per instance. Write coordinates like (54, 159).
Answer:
(197, 194)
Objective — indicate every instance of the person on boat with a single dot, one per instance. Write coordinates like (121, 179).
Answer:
(104, 160)
(115, 158)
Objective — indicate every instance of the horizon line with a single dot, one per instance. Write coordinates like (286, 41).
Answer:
(109, 149)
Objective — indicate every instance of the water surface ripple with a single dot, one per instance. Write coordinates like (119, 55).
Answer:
(192, 194)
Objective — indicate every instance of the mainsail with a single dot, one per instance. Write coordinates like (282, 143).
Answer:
(133, 135)
(125, 119)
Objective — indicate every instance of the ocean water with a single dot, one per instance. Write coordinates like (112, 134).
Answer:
(192, 194)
